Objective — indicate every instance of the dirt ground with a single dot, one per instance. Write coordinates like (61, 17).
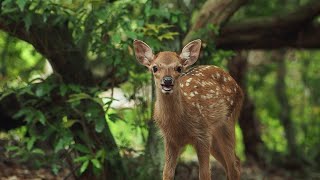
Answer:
(13, 171)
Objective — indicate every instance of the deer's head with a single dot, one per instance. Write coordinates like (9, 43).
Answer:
(167, 66)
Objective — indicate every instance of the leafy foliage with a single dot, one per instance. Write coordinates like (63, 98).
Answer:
(53, 112)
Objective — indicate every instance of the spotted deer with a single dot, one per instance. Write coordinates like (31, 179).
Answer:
(197, 106)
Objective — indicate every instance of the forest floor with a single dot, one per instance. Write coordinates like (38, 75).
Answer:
(10, 169)
(14, 171)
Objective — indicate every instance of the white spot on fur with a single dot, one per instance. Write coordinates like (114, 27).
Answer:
(189, 80)
(211, 106)
(231, 102)
(191, 94)
(235, 89)
(196, 92)
(218, 75)
(212, 91)
(209, 96)
(185, 94)
(187, 84)
(229, 78)
(181, 85)
(228, 90)
(203, 97)
(224, 79)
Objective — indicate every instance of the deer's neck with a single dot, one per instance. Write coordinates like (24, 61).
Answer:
(168, 106)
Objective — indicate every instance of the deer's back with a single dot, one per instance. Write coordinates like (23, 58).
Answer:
(210, 93)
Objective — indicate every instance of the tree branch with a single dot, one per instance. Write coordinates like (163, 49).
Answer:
(54, 41)
(295, 29)
(307, 37)
(215, 12)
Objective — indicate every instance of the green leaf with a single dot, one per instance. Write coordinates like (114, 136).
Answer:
(79, 96)
(66, 140)
(12, 148)
(38, 151)
(58, 146)
(75, 88)
(67, 123)
(21, 4)
(55, 169)
(63, 90)
(30, 143)
(114, 117)
(168, 35)
(96, 163)
(116, 38)
(82, 148)
(99, 101)
(81, 159)
(27, 21)
(22, 112)
(41, 117)
(101, 154)
(131, 34)
(5, 94)
(100, 125)
(43, 89)
(84, 166)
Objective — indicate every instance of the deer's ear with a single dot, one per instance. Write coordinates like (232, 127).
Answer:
(143, 52)
(190, 52)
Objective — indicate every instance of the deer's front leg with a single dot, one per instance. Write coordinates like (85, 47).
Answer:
(203, 152)
(172, 152)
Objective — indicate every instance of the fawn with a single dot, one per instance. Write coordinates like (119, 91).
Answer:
(197, 106)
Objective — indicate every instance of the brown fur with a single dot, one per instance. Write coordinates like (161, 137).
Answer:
(201, 111)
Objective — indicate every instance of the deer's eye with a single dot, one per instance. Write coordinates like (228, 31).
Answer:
(179, 69)
(154, 69)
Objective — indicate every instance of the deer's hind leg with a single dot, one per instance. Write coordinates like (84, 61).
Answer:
(203, 153)
(217, 154)
(224, 150)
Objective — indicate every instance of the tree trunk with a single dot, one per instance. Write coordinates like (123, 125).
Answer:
(285, 111)
(248, 122)
(154, 152)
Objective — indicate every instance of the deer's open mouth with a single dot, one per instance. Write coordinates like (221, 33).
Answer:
(166, 88)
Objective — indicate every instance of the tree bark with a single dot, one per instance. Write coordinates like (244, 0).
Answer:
(54, 41)
(154, 149)
(297, 29)
(215, 12)
(248, 121)
(285, 111)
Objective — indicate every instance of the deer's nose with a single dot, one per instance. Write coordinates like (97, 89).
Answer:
(167, 80)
